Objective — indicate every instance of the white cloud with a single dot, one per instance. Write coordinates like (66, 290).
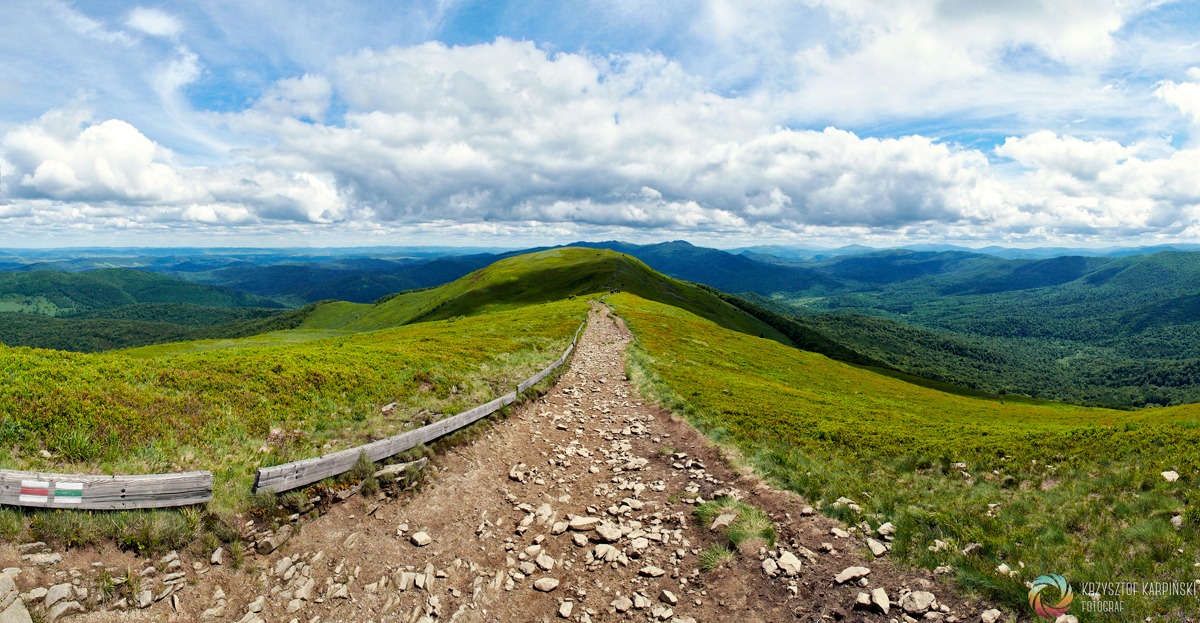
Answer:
(506, 132)
(306, 97)
(1184, 96)
(856, 62)
(507, 137)
(111, 160)
(1082, 159)
(155, 22)
(113, 172)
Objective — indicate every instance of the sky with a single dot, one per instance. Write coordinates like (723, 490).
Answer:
(726, 123)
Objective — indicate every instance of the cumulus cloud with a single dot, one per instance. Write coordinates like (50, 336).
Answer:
(1044, 150)
(110, 170)
(928, 60)
(1183, 96)
(506, 131)
(1099, 187)
(61, 157)
(507, 136)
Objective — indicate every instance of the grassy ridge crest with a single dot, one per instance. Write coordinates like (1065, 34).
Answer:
(537, 278)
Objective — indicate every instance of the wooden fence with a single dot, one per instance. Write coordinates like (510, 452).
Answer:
(88, 492)
(280, 478)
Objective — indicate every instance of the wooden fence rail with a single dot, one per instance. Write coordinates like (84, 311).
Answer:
(91, 492)
(100, 492)
(280, 478)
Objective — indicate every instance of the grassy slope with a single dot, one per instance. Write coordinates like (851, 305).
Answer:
(215, 409)
(537, 278)
(1078, 489)
(508, 284)
(1113, 331)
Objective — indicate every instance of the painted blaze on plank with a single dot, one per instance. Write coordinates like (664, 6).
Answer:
(103, 492)
(49, 492)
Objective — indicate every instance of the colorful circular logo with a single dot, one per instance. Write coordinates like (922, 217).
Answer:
(1057, 582)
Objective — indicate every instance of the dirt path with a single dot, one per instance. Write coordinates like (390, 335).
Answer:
(578, 507)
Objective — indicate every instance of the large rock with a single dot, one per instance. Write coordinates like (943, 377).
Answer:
(917, 603)
(1170, 476)
(877, 549)
(59, 592)
(583, 524)
(991, 616)
(62, 608)
(272, 543)
(609, 532)
(420, 539)
(849, 574)
(12, 609)
(15, 613)
(43, 560)
(545, 585)
(789, 563)
(879, 599)
(650, 571)
(722, 520)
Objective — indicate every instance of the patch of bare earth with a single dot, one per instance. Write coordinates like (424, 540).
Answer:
(577, 507)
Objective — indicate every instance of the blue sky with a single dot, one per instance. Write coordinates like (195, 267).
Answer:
(817, 122)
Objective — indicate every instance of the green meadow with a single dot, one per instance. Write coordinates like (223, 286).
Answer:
(236, 408)
(1043, 488)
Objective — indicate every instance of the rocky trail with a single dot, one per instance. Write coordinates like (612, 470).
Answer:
(577, 507)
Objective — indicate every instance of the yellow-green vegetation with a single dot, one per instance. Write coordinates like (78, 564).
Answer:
(1077, 491)
(744, 528)
(532, 279)
(233, 409)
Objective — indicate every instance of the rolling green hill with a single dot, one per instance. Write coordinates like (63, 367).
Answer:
(121, 308)
(1076, 491)
(534, 278)
(56, 293)
(722, 270)
(1121, 331)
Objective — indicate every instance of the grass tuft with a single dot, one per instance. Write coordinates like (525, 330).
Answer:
(750, 529)
(715, 556)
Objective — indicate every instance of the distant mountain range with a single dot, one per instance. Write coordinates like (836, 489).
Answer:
(1012, 253)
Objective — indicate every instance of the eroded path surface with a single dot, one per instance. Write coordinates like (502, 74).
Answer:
(578, 507)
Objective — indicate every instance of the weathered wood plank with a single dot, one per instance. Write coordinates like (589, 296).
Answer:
(280, 478)
(289, 476)
(103, 492)
(537, 378)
